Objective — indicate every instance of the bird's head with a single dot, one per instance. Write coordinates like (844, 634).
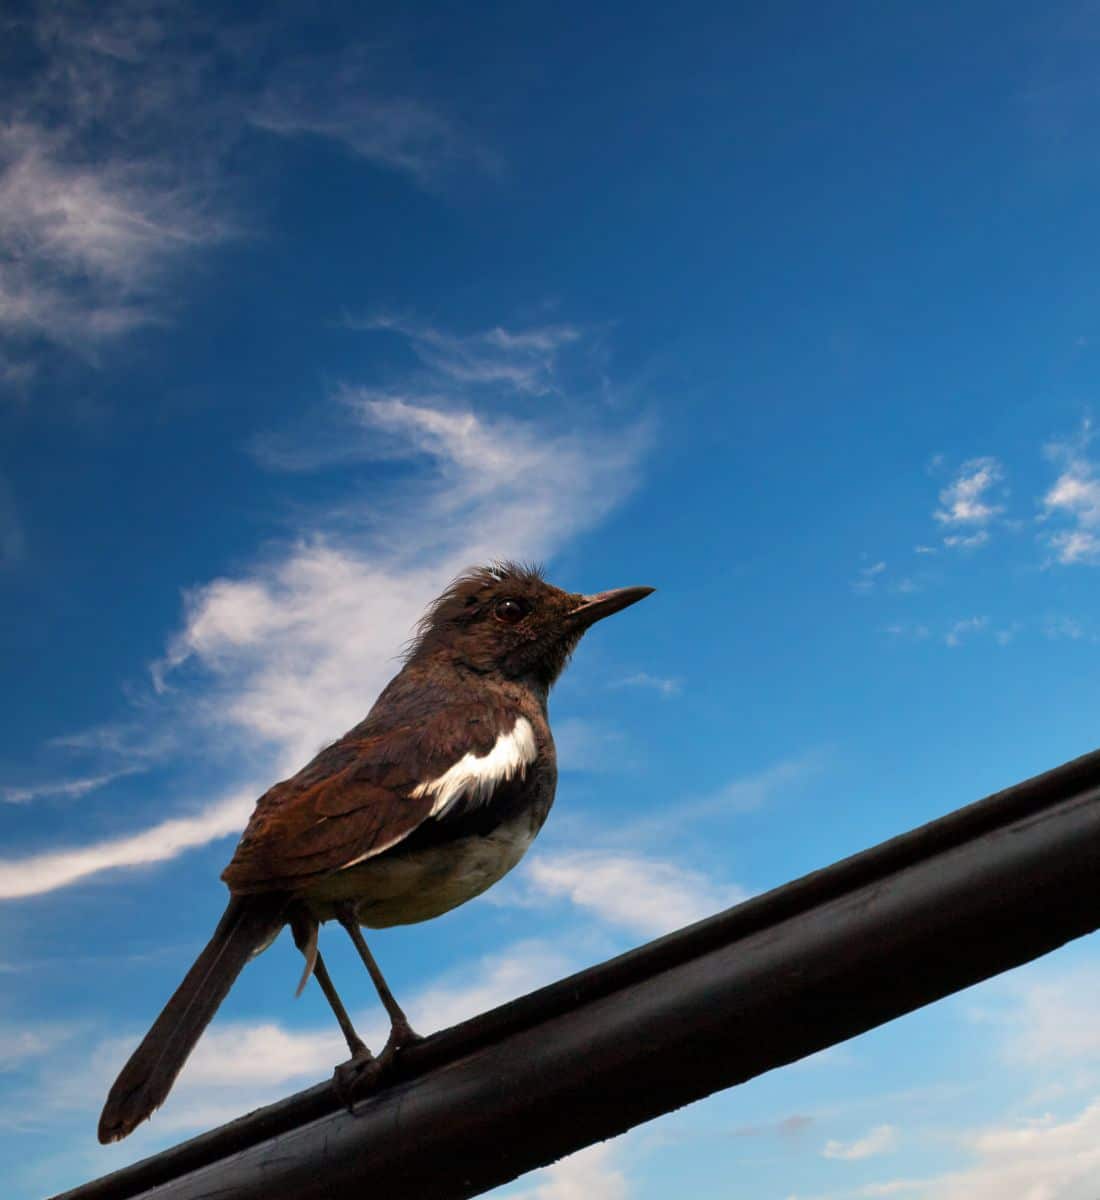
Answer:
(506, 618)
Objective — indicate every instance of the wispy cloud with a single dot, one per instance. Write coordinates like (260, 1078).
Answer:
(87, 241)
(20, 1045)
(340, 98)
(1038, 1157)
(1057, 626)
(741, 794)
(910, 630)
(1049, 1023)
(662, 684)
(90, 242)
(967, 541)
(880, 1140)
(69, 788)
(241, 1065)
(967, 627)
(283, 657)
(747, 793)
(594, 1171)
(868, 577)
(645, 895)
(38, 873)
(287, 647)
(523, 360)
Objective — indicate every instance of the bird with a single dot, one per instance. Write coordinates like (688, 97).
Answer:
(432, 798)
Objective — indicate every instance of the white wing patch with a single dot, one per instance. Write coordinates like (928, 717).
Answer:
(478, 777)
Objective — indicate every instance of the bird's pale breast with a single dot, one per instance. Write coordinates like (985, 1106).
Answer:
(401, 889)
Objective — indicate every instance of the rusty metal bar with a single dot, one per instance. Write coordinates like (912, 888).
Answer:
(805, 966)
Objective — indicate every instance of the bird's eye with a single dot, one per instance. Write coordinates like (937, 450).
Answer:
(509, 611)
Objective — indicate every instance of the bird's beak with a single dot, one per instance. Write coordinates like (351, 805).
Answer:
(603, 604)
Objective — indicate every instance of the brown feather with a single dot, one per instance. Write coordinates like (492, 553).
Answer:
(322, 818)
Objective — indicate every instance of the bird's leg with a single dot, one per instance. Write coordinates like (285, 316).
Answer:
(346, 1074)
(401, 1032)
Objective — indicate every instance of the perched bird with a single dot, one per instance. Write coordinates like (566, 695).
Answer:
(422, 806)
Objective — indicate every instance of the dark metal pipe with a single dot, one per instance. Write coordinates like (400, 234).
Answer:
(785, 974)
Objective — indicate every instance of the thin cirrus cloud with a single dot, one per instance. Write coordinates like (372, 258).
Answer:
(868, 578)
(89, 242)
(966, 628)
(95, 241)
(525, 360)
(53, 869)
(639, 893)
(335, 102)
(90, 245)
(71, 789)
(286, 656)
(880, 1140)
(663, 685)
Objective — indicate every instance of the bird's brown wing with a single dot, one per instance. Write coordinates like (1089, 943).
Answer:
(354, 800)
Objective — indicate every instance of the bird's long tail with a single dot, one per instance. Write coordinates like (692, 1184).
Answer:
(248, 924)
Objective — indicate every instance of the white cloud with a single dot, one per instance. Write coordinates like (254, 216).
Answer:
(90, 239)
(1075, 497)
(285, 657)
(1075, 546)
(868, 577)
(297, 649)
(664, 685)
(907, 629)
(239, 1065)
(593, 1172)
(964, 629)
(645, 895)
(1039, 1158)
(338, 97)
(1056, 626)
(524, 361)
(880, 1140)
(747, 793)
(70, 788)
(1052, 1022)
(964, 501)
(21, 1045)
(38, 873)
(87, 244)
(496, 979)
(969, 541)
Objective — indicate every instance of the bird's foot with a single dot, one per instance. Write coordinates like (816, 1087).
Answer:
(402, 1034)
(364, 1070)
(351, 1077)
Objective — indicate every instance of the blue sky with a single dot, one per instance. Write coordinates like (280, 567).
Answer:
(790, 313)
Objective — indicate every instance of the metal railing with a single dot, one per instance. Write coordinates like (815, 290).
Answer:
(805, 966)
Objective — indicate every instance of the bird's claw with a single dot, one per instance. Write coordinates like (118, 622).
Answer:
(402, 1034)
(364, 1070)
(349, 1078)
